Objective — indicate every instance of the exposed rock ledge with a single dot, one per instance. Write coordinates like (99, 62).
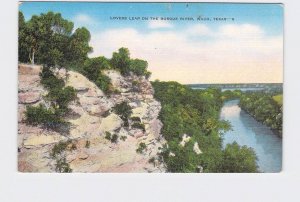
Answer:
(90, 117)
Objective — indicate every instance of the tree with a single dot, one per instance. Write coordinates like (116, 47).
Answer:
(121, 61)
(237, 159)
(78, 47)
(92, 67)
(22, 48)
(44, 38)
(47, 39)
(139, 67)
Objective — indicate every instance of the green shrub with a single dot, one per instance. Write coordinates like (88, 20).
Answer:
(136, 119)
(139, 126)
(61, 97)
(92, 70)
(58, 154)
(139, 67)
(103, 82)
(123, 138)
(49, 80)
(62, 166)
(148, 74)
(142, 147)
(152, 161)
(114, 138)
(40, 115)
(121, 61)
(92, 67)
(62, 146)
(124, 111)
(111, 137)
(108, 135)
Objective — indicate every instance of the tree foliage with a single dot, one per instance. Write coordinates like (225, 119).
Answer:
(139, 67)
(121, 61)
(239, 159)
(263, 108)
(59, 96)
(78, 46)
(47, 39)
(124, 111)
(93, 68)
(40, 115)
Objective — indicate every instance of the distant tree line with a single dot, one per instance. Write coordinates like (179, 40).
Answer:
(264, 108)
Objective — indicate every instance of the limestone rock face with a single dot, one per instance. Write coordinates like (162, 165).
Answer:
(110, 123)
(90, 116)
(185, 139)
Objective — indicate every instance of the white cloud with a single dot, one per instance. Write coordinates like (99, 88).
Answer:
(236, 53)
(200, 30)
(156, 24)
(241, 31)
(81, 20)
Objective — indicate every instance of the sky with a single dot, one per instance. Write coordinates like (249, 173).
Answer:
(247, 47)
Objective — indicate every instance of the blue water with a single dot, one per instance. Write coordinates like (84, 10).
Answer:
(247, 131)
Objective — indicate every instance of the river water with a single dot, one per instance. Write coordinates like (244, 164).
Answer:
(247, 131)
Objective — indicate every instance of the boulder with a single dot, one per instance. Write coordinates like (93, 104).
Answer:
(40, 140)
(29, 83)
(81, 83)
(83, 155)
(110, 123)
(29, 97)
(117, 80)
(29, 69)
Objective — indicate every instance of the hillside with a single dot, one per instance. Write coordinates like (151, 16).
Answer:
(87, 148)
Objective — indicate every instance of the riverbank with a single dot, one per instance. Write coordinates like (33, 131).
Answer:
(248, 131)
(264, 108)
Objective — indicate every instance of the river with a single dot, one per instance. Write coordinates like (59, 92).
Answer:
(247, 131)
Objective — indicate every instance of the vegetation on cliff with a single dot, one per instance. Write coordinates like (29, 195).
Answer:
(58, 154)
(58, 98)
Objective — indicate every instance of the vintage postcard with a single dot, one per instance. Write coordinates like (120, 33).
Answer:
(150, 87)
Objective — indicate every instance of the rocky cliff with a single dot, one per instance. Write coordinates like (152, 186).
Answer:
(91, 117)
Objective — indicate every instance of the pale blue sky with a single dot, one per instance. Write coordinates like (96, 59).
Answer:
(246, 50)
(269, 16)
